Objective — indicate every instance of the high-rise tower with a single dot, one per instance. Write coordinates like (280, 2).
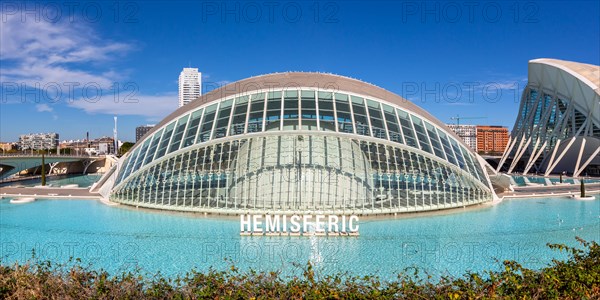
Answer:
(190, 84)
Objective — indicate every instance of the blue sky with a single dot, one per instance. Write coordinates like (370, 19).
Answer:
(70, 67)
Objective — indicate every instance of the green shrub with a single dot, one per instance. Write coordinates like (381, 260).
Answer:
(576, 278)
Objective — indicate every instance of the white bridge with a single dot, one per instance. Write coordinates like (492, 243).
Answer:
(58, 164)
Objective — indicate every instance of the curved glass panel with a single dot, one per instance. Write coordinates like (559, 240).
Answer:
(223, 119)
(435, 142)
(421, 134)
(207, 124)
(376, 118)
(152, 149)
(178, 134)
(364, 155)
(308, 110)
(447, 148)
(394, 131)
(301, 173)
(256, 115)
(164, 142)
(326, 111)
(291, 118)
(273, 113)
(240, 113)
(192, 130)
(407, 130)
(344, 115)
(361, 120)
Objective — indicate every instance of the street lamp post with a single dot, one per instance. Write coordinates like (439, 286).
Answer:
(299, 175)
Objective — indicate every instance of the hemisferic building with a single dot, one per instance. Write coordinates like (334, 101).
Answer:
(300, 142)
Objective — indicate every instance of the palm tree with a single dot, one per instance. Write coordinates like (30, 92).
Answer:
(43, 170)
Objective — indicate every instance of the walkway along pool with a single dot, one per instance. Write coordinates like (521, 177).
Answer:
(118, 238)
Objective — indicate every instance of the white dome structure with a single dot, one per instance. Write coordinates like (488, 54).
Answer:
(300, 142)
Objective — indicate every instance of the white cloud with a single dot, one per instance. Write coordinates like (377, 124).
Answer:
(505, 84)
(43, 108)
(39, 52)
(457, 103)
(223, 82)
(46, 108)
(151, 106)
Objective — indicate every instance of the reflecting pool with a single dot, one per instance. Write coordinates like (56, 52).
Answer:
(58, 180)
(119, 238)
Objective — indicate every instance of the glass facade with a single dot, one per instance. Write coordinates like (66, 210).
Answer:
(300, 149)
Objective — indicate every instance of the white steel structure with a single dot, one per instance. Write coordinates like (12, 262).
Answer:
(468, 133)
(300, 142)
(190, 85)
(558, 126)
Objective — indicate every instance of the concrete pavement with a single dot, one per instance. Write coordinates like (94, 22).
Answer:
(48, 192)
(554, 190)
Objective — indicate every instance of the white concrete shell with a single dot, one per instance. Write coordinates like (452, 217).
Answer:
(558, 126)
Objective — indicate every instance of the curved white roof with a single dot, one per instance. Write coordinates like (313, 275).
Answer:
(578, 82)
(590, 74)
(323, 81)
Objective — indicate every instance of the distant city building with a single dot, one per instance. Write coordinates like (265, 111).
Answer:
(38, 141)
(190, 83)
(106, 147)
(140, 131)
(491, 139)
(468, 133)
(103, 145)
(8, 146)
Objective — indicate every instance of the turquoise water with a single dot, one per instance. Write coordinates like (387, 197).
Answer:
(60, 180)
(117, 238)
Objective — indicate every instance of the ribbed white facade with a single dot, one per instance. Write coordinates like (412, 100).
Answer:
(558, 126)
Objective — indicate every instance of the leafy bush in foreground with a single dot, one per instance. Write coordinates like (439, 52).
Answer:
(576, 278)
